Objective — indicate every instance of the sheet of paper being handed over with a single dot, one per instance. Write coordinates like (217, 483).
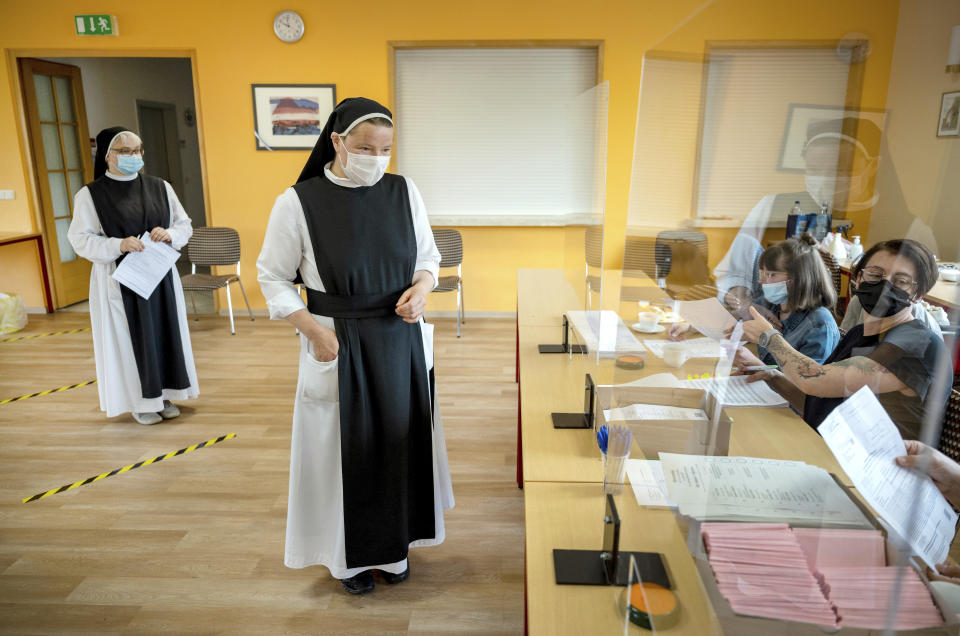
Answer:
(141, 272)
(865, 441)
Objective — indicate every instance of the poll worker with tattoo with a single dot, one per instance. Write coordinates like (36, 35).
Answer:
(897, 356)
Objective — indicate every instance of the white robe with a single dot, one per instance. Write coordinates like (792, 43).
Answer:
(315, 525)
(117, 378)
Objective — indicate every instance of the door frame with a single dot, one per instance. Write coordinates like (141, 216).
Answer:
(174, 165)
(32, 187)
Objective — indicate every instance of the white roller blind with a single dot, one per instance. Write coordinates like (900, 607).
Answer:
(499, 133)
(748, 98)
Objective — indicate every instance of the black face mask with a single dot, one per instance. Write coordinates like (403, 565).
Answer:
(881, 299)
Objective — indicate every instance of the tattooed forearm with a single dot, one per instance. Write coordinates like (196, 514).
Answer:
(862, 364)
(793, 363)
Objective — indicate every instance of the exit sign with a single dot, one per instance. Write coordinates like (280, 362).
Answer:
(96, 24)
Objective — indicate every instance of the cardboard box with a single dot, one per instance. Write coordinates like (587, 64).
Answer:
(741, 624)
(693, 437)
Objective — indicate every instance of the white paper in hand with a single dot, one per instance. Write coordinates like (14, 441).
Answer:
(141, 272)
(865, 441)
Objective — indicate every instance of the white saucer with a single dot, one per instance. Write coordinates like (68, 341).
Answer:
(658, 329)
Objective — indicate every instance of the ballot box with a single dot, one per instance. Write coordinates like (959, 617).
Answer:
(689, 421)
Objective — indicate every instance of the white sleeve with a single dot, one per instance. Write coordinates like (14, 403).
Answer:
(280, 257)
(181, 228)
(86, 235)
(428, 256)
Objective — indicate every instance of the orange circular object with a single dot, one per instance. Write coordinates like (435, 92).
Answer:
(653, 599)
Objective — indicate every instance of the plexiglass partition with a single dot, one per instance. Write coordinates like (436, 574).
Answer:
(788, 272)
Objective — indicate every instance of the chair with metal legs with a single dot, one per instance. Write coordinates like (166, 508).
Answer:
(214, 246)
(450, 245)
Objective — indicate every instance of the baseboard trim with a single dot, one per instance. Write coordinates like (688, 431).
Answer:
(470, 314)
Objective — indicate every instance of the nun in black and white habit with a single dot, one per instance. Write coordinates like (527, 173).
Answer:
(368, 468)
(142, 346)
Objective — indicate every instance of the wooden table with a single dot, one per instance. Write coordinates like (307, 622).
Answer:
(561, 473)
(9, 238)
(569, 516)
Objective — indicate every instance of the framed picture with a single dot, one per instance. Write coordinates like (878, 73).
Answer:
(800, 116)
(290, 116)
(949, 123)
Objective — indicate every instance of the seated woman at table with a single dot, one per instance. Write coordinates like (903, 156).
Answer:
(897, 356)
(799, 295)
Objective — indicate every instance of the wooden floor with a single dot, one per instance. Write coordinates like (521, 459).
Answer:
(194, 544)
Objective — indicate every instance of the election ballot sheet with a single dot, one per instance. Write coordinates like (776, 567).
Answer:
(712, 488)
(865, 441)
(646, 478)
(736, 391)
(141, 272)
(707, 316)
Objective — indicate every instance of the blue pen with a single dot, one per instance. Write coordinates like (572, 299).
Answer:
(602, 438)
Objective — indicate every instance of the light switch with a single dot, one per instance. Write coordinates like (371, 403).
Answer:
(6, 194)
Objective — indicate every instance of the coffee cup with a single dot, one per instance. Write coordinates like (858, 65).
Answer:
(647, 320)
(674, 354)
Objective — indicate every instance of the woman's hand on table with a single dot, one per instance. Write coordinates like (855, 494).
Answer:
(131, 244)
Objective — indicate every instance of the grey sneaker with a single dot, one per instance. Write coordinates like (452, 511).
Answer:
(169, 411)
(147, 418)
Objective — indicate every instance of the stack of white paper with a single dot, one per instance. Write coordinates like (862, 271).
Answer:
(736, 391)
(603, 331)
(865, 441)
(692, 348)
(653, 412)
(712, 488)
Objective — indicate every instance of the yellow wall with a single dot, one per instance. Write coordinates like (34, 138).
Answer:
(233, 46)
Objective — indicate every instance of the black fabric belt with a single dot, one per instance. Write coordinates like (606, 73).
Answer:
(354, 306)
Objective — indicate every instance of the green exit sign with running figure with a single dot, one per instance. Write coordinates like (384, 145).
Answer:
(96, 24)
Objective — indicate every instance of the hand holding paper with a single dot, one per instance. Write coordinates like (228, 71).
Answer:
(142, 271)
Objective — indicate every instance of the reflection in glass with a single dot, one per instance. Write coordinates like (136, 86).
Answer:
(51, 146)
(45, 104)
(64, 98)
(71, 149)
(58, 194)
(76, 182)
(66, 250)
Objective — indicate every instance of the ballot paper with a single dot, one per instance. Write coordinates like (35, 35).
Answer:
(712, 488)
(603, 331)
(707, 316)
(653, 412)
(141, 272)
(646, 478)
(865, 441)
(766, 569)
(736, 391)
(695, 348)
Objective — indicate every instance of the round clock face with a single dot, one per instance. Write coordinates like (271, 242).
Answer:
(288, 25)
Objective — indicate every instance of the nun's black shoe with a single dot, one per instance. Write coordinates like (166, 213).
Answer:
(393, 579)
(360, 584)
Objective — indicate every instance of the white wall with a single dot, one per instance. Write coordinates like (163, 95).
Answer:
(111, 88)
(919, 178)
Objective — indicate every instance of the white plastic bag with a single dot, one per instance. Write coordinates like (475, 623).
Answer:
(13, 313)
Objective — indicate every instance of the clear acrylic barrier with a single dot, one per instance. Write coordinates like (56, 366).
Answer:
(741, 149)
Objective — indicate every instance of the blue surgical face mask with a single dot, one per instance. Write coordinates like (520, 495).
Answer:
(129, 164)
(775, 293)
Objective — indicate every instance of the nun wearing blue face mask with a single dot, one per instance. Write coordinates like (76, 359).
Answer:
(142, 346)
(369, 478)
(798, 292)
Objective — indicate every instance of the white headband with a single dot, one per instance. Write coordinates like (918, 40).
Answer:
(360, 120)
(834, 135)
(122, 132)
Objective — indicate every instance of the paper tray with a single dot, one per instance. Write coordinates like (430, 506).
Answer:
(740, 624)
(669, 436)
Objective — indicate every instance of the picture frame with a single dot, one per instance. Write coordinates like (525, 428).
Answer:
(291, 116)
(948, 123)
(799, 116)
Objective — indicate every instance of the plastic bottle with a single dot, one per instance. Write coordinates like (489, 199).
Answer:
(837, 248)
(823, 223)
(797, 220)
(855, 251)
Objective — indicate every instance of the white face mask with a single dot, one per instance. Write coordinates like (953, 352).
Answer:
(365, 170)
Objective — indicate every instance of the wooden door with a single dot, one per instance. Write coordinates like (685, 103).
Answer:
(59, 139)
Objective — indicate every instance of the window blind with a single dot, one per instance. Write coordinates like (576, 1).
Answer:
(500, 135)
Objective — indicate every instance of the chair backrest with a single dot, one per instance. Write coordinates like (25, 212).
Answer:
(450, 244)
(214, 246)
(593, 246)
(831, 262)
(638, 256)
(950, 435)
(686, 250)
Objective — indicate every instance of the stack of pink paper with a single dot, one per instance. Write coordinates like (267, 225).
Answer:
(762, 571)
(834, 577)
(864, 595)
